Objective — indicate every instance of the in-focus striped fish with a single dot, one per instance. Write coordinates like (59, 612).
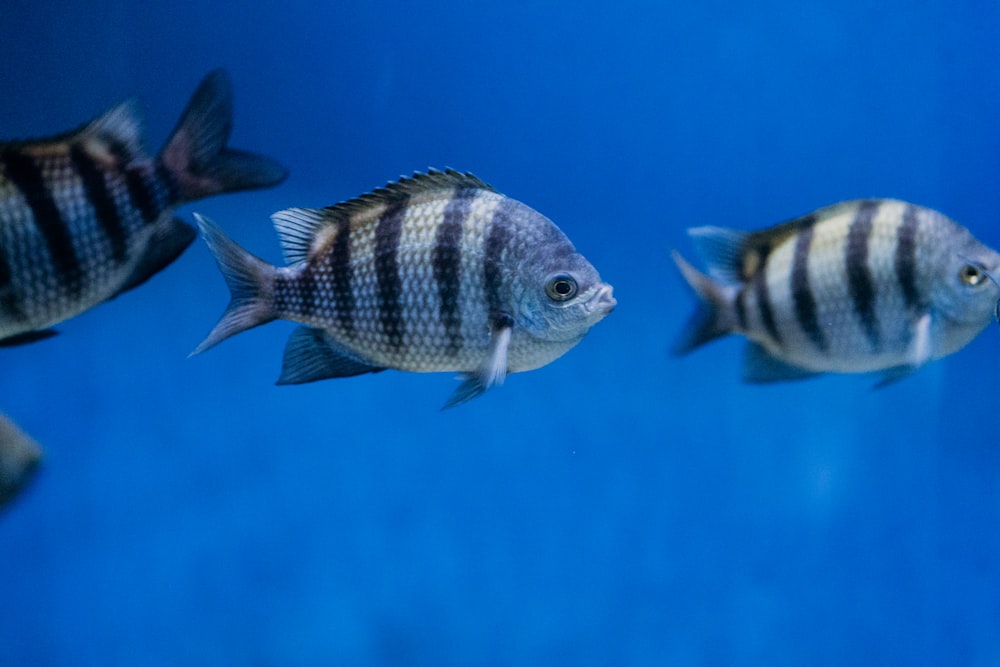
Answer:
(865, 285)
(437, 272)
(87, 215)
(19, 459)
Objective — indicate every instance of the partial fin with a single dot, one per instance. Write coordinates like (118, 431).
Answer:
(167, 243)
(760, 366)
(312, 355)
(27, 337)
(250, 280)
(493, 370)
(298, 228)
(713, 317)
(20, 457)
(197, 156)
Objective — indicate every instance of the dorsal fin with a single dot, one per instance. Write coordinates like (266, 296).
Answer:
(298, 228)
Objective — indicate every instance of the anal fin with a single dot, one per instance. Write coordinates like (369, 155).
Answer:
(311, 355)
(171, 238)
(760, 366)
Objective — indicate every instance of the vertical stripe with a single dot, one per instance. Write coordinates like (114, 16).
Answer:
(388, 281)
(447, 262)
(340, 265)
(741, 309)
(764, 299)
(859, 277)
(305, 290)
(10, 303)
(906, 257)
(805, 304)
(100, 198)
(497, 239)
(141, 195)
(24, 172)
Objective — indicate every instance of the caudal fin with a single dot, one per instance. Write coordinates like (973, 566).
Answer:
(196, 154)
(713, 317)
(251, 284)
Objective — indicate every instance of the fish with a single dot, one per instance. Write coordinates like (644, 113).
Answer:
(88, 214)
(437, 272)
(864, 286)
(20, 457)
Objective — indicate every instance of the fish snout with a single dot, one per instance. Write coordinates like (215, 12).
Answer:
(603, 302)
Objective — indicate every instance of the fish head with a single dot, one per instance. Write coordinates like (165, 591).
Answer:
(562, 296)
(968, 292)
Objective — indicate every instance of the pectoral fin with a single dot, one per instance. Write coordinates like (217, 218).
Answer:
(492, 371)
(917, 354)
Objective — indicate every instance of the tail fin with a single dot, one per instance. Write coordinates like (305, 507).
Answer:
(197, 156)
(713, 318)
(250, 280)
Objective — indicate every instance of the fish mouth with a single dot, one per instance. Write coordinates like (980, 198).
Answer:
(602, 302)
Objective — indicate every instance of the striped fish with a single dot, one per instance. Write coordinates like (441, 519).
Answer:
(437, 272)
(19, 459)
(860, 286)
(87, 215)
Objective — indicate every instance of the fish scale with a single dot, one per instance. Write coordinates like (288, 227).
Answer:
(861, 286)
(437, 272)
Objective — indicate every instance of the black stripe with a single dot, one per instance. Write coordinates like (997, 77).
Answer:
(805, 304)
(906, 257)
(764, 300)
(447, 260)
(141, 194)
(497, 239)
(24, 172)
(305, 287)
(100, 198)
(859, 277)
(741, 309)
(340, 265)
(389, 283)
(10, 300)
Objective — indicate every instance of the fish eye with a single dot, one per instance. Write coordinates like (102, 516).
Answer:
(971, 275)
(561, 287)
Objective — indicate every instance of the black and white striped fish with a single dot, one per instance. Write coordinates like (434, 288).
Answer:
(437, 272)
(860, 286)
(87, 215)
(19, 459)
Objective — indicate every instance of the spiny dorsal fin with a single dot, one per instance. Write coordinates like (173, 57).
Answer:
(298, 227)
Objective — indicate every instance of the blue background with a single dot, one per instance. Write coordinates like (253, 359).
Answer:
(617, 507)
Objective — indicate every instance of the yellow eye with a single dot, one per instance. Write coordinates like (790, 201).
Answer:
(971, 275)
(561, 287)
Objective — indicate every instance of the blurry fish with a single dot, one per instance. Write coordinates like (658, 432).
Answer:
(19, 459)
(87, 215)
(865, 285)
(437, 272)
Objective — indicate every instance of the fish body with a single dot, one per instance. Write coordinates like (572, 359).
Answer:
(19, 459)
(88, 214)
(860, 286)
(437, 272)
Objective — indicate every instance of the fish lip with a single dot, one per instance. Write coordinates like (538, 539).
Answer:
(602, 302)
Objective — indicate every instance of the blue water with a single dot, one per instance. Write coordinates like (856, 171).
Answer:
(618, 507)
